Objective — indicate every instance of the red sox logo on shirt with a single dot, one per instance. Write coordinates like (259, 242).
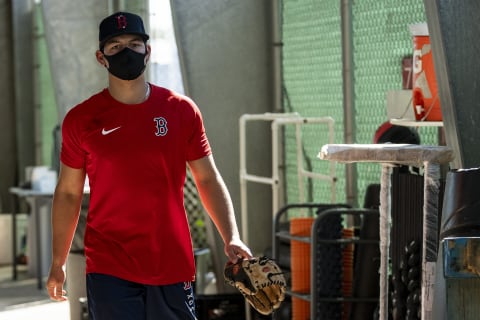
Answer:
(121, 21)
(161, 125)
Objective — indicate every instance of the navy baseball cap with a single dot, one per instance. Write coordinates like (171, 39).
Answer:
(121, 23)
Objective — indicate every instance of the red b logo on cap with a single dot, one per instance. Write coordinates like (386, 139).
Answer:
(121, 22)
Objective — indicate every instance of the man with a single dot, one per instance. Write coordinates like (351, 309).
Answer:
(134, 140)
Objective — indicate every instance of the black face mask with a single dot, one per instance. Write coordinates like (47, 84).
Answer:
(127, 64)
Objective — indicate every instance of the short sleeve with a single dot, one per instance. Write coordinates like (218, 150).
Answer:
(71, 153)
(198, 144)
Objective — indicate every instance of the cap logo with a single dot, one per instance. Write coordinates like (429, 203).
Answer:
(121, 22)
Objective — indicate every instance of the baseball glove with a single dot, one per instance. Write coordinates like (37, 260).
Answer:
(260, 280)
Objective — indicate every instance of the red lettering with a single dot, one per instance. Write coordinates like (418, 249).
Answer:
(121, 22)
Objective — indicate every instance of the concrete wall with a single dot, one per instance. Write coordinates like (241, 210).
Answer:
(17, 119)
(453, 31)
(8, 161)
(75, 72)
(225, 52)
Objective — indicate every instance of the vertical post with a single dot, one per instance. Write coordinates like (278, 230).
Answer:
(36, 208)
(348, 97)
(429, 236)
(25, 112)
(385, 186)
(14, 236)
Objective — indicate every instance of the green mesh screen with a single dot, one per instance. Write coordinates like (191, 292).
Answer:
(312, 63)
(312, 66)
(195, 213)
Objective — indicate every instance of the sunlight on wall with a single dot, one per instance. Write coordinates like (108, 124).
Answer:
(164, 63)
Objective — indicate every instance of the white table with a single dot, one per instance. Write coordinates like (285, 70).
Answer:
(37, 199)
(388, 155)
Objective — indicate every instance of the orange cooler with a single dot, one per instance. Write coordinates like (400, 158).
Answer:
(425, 99)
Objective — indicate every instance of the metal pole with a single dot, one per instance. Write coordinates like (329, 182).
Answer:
(277, 46)
(429, 236)
(385, 208)
(348, 97)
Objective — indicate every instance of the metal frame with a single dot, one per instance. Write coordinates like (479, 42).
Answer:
(329, 209)
(279, 120)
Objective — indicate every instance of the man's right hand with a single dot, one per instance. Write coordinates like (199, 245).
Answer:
(55, 282)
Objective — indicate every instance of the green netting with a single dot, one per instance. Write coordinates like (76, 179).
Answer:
(313, 84)
(312, 66)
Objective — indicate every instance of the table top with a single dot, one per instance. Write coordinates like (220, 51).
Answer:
(21, 192)
(406, 154)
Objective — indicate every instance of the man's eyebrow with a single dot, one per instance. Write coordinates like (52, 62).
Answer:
(116, 40)
(111, 41)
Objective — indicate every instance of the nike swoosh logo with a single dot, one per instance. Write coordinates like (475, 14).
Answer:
(105, 132)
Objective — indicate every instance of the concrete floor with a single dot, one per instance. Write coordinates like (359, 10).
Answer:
(22, 300)
(45, 311)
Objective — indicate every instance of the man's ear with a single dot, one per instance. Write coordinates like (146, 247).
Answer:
(149, 51)
(101, 58)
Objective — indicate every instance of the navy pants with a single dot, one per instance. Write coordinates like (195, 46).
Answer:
(111, 298)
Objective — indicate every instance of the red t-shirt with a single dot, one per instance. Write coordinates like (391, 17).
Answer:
(135, 157)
